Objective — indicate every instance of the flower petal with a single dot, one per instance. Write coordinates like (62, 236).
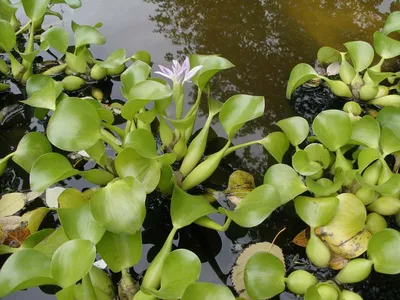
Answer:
(186, 64)
(166, 71)
(192, 72)
(176, 64)
(163, 74)
(180, 77)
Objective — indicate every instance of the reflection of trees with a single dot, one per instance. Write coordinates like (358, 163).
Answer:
(264, 39)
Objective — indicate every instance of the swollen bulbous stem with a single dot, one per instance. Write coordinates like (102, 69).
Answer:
(196, 149)
(55, 70)
(153, 274)
(141, 124)
(178, 93)
(29, 48)
(180, 148)
(205, 169)
(166, 133)
(208, 223)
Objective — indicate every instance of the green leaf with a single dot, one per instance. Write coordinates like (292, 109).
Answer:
(264, 276)
(378, 77)
(385, 46)
(72, 261)
(186, 208)
(147, 171)
(46, 97)
(312, 294)
(126, 217)
(71, 198)
(52, 242)
(79, 223)
(211, 65)
(303, 165)
(289, 188)
(332, 128)
(97, 176)
(11, 203)
(338, 87)
(139, 71)
(120, 251)
(347, 72)
(319, 154)
(390, 117)
(24, 269)
(115, 59)
(86, 35)
(389, 142)
(131, 108)
(383, 249)
(361, 54)
(71, 3)
(37, 82)
(180, 269)
(30, 148)
(143, 56)
(277, 144)
(322, 190)
(366, 132)
(255, 207)
(300, 74)
(34, 218)
(388, 188)
(328, 55)
(76, 63)
(149, 90)
(389, 100)
(392, 23)
(57, 37)
(8, 10)
(355, 271)
(35, 238)
(238, 110)
(7, 36)
(35, 9)
(316, 212)
(85, 131)
(143, 142)
(295, 128)
(49, 169)
(207, 291)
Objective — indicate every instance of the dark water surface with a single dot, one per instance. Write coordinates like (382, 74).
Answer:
(264, 39)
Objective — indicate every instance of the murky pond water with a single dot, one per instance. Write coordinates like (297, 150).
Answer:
(264, 39)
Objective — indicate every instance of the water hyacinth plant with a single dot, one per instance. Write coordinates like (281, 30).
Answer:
(359, 77)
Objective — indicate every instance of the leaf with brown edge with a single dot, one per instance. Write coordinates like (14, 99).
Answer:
(302, 238)
(337, 261)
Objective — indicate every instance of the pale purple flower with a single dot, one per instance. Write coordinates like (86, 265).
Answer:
(179, 73)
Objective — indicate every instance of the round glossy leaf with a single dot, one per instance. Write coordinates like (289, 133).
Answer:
(276, 143)
(328, 55)
(79, 223)
(389, 142)
(72, 261)
(35, 9)
(312, 294)
(378, 77)
(289, 188)
(7, 35)
(126, 217)
(115, 59)
(388, 188)
(319, 154)
(52, 242)
(120, 251)
(86, 35)
(338, 87)
(186, 208)
(43, 96)
(390, 117)
(77, 63)
(180, 269)
(264, 276)
(300, 74)
(35, 238)
(303, 165)
(361, 54)
(389, 100)
(347, 72)
(295, 128)
(375, 223)
(367, 156)
(143, 142)
(97, 176)
(49, 169)
(30, 148)
(255, 207)
(149, 90)
(211, 65)
(345, 233)
(385, 206)
(83, 130)
(139, 71)
(332, 128)
(207, 291)
(385, 46)
(366, 132)
(24, 269)
(238, 110)
(316, 212)
(34, 218)
(240, 184)
(71, 198)
(11, 203)
(130, 163)
(392, 23)
(383, 249)
(57, 37)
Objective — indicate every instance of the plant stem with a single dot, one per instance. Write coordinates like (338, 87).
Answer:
(111, 140)
(153, 274)
(193, 109)
(208, 223)
(234, 148)
(22, 29)
(178, 92)
(120, 132)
